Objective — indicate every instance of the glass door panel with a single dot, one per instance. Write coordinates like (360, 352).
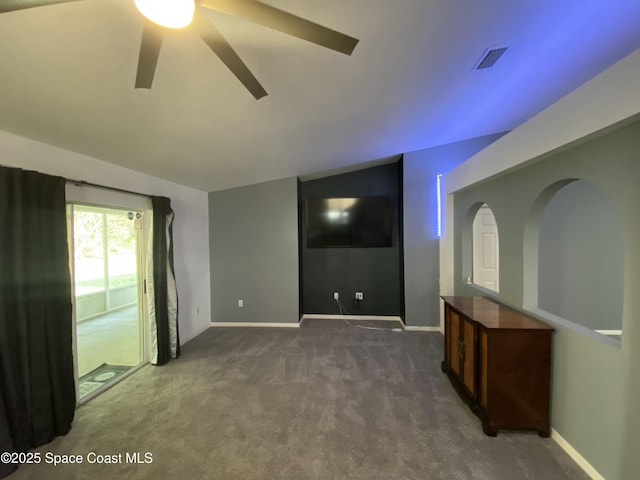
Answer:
(105, 258)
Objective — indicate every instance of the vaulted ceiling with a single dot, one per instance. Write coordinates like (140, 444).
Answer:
(67, 76)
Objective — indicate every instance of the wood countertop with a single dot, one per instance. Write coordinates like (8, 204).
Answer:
(492, 315)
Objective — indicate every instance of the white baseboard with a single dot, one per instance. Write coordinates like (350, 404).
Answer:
(610, 332)
(321, 316)
(410, 328)
(255, 324)
(575, 455)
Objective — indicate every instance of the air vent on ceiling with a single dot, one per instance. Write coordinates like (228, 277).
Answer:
(490, 58)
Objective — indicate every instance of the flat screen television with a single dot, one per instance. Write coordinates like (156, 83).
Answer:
(361, 222)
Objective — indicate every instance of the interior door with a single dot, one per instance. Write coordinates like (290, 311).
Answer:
(486, 258)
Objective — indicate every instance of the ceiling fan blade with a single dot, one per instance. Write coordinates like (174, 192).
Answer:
(12, 5)
(284, 22)
(216, 42)
(149, 53)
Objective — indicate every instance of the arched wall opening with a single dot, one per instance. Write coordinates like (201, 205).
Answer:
(574, 256)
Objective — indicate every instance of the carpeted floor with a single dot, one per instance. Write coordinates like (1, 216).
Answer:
(327, 401)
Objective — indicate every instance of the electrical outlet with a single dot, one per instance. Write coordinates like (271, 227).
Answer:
(359, 296)
(336, 295)
(241, 303)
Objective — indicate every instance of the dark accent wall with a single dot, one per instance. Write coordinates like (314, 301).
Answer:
(376, 272)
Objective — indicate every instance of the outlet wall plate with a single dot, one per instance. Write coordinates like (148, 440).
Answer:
(336, 296)
(359, 296)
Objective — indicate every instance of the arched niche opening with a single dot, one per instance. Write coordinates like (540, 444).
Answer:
(481, 248)
(574, 257)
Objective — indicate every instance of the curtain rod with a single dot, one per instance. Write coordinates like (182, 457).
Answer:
(84, 183)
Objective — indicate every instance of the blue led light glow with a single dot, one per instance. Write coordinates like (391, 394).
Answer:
(438, 206)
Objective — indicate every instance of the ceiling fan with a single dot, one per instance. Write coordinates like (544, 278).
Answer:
(189, 13)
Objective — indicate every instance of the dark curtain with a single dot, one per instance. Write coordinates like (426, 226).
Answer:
(37, 389)
(165, 293)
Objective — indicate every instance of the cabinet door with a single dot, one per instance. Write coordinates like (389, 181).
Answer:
(469, 355)
(454, 342)
(447, 334)
(483, 368)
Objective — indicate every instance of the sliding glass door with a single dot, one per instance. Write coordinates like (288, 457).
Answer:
(106, 259)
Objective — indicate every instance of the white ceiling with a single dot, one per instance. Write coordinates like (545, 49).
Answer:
(67, 73)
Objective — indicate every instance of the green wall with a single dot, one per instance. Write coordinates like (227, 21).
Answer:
(592, 380)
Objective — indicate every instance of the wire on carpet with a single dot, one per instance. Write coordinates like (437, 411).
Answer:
(343, 311)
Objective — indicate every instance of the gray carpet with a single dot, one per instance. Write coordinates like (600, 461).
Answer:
(327, 401)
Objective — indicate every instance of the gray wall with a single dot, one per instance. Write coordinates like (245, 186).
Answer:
(421, 242)
(581, 256)
(254, 253)
(254, 242)
(593, 389)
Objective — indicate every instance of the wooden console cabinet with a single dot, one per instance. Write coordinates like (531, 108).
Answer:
(499, 360)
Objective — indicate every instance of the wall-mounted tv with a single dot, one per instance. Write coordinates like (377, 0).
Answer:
(361, 222)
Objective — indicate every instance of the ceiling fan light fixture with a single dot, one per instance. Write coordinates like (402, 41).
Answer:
(167, 13)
